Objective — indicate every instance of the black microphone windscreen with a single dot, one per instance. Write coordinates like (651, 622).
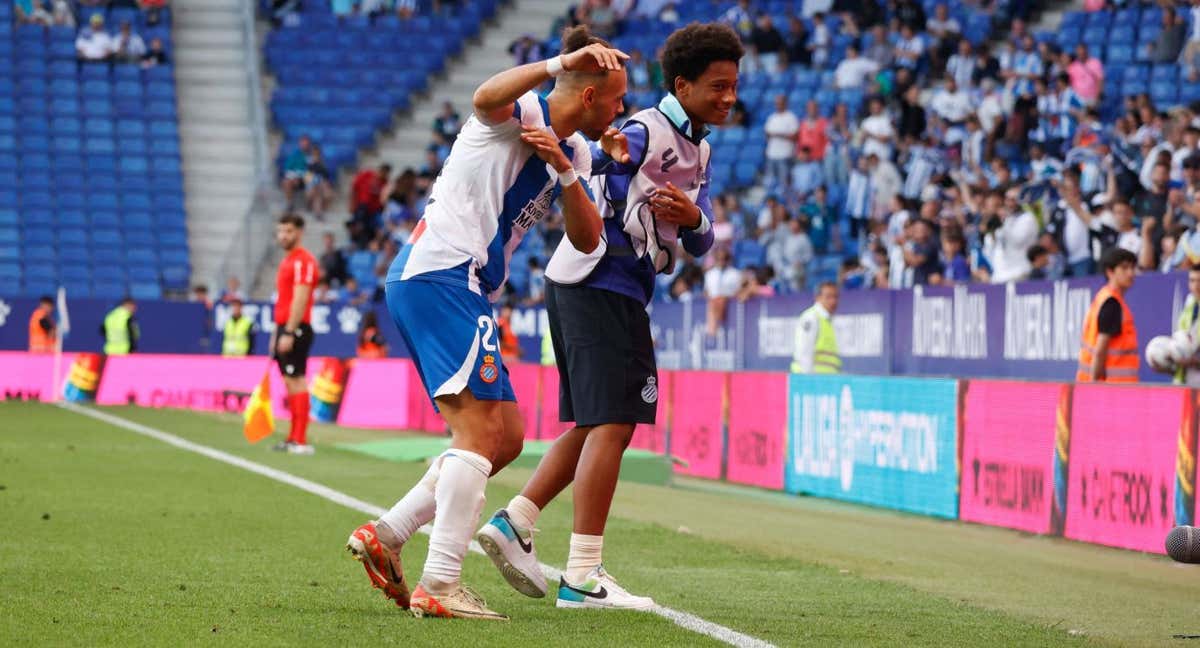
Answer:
(1183, 544)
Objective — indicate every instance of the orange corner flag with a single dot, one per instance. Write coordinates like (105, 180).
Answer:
(259, 419)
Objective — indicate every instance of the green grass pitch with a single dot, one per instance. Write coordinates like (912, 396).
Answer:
(111, 538)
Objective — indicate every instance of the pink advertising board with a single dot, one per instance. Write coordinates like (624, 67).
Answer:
(195, 382)
(30, 376)
(377, 394)
(1121, 489)
(696, 422)
(551, 428)
(421, 415)
(526, 384)
(1007, 476)
(757, 429)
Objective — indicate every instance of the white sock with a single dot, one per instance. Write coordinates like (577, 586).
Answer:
(584, 556)
(459, 495)
(523, 511)
(413, 510)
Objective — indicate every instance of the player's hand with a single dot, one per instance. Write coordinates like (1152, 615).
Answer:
(284, 345)
(672, 205)
(593, 59)
(616, 145)
(546, 147)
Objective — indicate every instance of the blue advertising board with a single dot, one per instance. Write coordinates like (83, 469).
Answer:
(889, 442)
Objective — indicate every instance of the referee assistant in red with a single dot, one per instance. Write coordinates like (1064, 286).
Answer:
(293, 326)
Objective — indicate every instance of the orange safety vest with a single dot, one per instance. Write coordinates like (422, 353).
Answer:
(367, 348)
(40, 341)
(1121, 362)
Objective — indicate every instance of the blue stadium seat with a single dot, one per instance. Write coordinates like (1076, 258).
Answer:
(74, 237)
(107, 238)
(111, 290)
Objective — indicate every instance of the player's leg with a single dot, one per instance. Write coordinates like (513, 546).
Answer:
(613, 396)
(292, 367)
(508, 543)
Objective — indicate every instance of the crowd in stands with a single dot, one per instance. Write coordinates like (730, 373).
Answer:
(95, 42)
(888, 145)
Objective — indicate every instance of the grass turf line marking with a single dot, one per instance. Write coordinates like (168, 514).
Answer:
(682, 619)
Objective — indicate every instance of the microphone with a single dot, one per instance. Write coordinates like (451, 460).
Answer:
(1183, 544)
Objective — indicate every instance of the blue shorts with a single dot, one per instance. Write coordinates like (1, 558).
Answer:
(452, 337)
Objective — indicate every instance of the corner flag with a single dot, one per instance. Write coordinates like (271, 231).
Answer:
(259, 419)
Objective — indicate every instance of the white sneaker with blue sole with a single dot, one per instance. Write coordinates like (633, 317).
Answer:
(599, 590)
(511, 549)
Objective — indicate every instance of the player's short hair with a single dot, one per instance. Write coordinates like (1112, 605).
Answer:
(826, 284)
(690, 50)
(295, 220)
(578, 37)
(1115, 257)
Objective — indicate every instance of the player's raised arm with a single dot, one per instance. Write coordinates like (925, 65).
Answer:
(493, 101)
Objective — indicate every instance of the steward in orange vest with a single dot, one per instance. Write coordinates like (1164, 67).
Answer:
(1109, 349)
(42, 327)
(371, 344)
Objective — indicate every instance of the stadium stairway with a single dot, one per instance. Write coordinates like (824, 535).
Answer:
(216, 133)
(404, 146)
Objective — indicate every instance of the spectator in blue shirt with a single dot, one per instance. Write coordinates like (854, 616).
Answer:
(807, 174)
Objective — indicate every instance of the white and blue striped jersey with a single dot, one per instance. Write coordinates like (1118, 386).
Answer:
(491, 190)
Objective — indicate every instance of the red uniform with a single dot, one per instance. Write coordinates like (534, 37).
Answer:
(298, 268)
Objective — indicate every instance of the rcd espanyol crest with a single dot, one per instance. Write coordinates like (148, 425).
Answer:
(650, 391)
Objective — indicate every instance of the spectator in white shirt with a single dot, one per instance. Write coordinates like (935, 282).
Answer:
(1006, 243)
(781, 128)
(1120, 220)
(721, 283)
(819, 41)
(878, 132)
(93, 43)
(909, 49)
(854, 70)
(952, 104)
(128, 47)
(962, 64)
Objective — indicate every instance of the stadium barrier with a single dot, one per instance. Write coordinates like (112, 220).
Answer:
(1104, 464)
(1027, 330)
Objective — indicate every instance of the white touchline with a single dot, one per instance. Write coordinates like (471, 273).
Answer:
(682, 619)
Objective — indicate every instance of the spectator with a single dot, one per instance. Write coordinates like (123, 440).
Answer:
(433, 163)
(32, 12)
(793, 253)
(962, 65)
(1151, 204)
(768, 43)
(721, 283)
(128, 46)
(526, 49)
(953, 259)
(1168, 45)
(812, 131)
(798, 48)
(352, 294)
(1071, 222)
(921, 253)
(1087, 75)
(946, 31)
(1039, 261)
(537, 283)
(1116, 228)
(819, 41)
(152, 9)
(781, 128)
(911, 15)
(880, 50)
(821, 219)
(639, 71)
(233, 290)
(322, 293)
(860, 195)
(333, 262)
(912, 123)
(1190, 58)
(446, 125)
(952, 104)
(757, 284)
(1025, 67)
(854, 71)
(602, 18)
(909, 49)
(740, 18)
(367, 190)
(156, 55)
(201, 296)
(93, 43)
(877, 131)
(318, 180)
(1056, 263)
(723, 230)
(371, 343)
(295, 167)
(1007, 239)
(807, 174)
